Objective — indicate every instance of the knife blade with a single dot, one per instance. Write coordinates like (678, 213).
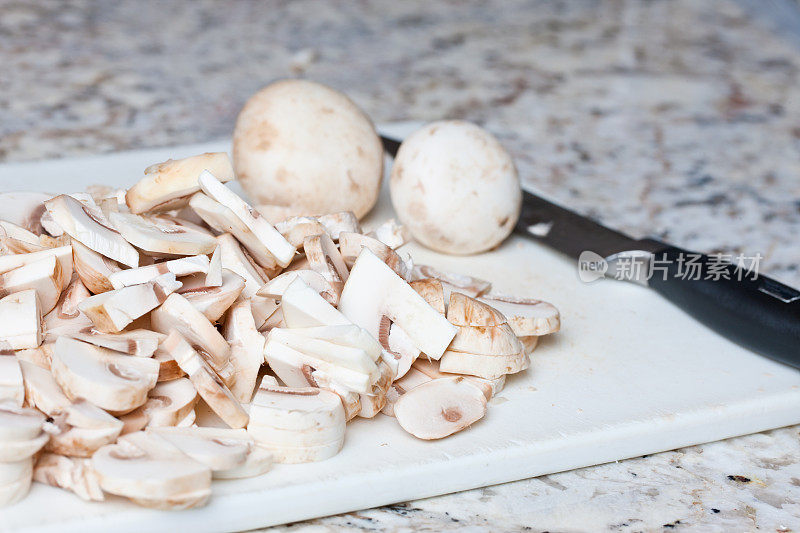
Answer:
(752, 310)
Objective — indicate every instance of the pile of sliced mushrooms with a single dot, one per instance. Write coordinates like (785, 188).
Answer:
(156, 338)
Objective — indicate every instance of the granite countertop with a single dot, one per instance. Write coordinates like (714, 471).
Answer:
(672, 118)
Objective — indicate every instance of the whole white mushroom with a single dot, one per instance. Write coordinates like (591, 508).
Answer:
(455, 188)
(306, 146)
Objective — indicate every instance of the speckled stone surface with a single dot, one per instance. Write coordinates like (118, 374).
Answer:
(679, 119)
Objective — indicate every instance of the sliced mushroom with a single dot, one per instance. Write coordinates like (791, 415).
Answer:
(297, 229)
(374, 290)
(526, 316)
(287, 362)
(220, 449)
(206, 382)
(391, 233)
(40, 356)
(247, 349)
(21, 434)
(336, 223)
(323, 257)
(24, 208)
(180, 267)
(351, 244)
(137, 342)
(19, 481)
(168, 368)
(82, 224)
(275, 287)
(483, 365)
(258, 225)
(44, 276)
(167, 404)
(112, 311)
(11, 386)
(334, 352)
(214, 274)
(179, 315)
(440, 407)
(81, 429)
(412, 379)
(344, 335)
(464, 310)
(431, 289)
(93, 269)
(298, 425)
(401, 350)
(63, 254)
(302, 307)
(69, 473)
(115, 382)
(168, 185)
(21, 320)
(162, 237)
(213, 301)
(490, 387)
(472, 287)
(236, 260)
(529, 342)
(371, 404)
(152, 472)
(66, 318)
(490, 340)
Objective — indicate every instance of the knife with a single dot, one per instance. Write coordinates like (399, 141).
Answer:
(754, 311)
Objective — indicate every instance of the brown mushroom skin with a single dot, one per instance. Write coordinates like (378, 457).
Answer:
(301, 144)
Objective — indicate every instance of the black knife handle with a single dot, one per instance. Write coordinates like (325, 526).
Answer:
(755, 311)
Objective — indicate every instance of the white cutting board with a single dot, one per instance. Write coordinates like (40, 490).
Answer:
(628, 375)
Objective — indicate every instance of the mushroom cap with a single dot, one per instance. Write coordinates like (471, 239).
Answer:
(301, 144)
(455, 188)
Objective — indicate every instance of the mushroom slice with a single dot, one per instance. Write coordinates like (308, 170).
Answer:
(297, 229)
(179, 315)
(464, 310)
(472, 287)
(73, 474)
(490, 387)
(40, 356)
(168, 368)
(490, 340)
(19, 233)
(247, 349)
(214, 274)
(111, 381)
(275, 287)
(83, 224)
(180, 267)
(11, 385)
(66, 318)
(298, 425)
(152, 472)
(206, 382)
(400, 351)
(24, 208)
(526, 316)
(44, 276)
(21, 434)
(17, 488)
(344, 335)
(112, 311)
(440, 407)
(303, 307)
(168, 185)
(412, 379)
(351, 244)
(167, 404)
(236, 260)
(371, 404)
(483, 365)
(258, 462)
(21, 320)
(93, 268)
(287, 362)
(223, 220)
(324, 258)
(161, 236)
(374, 290)
(214, 301)
(431, 289)
(219, 449)
(81, 430)
(63, 255)
(258, 225)
(335, 353)
(529, 342)
(137, 342)
(336, 223)
(391, 234)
